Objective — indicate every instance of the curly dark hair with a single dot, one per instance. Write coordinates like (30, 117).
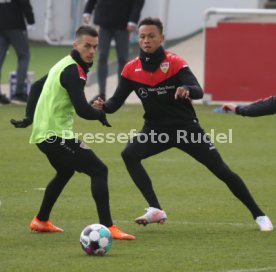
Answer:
(152, 21)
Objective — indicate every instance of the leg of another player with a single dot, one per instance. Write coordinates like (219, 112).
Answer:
(206, 153)
(136, 150)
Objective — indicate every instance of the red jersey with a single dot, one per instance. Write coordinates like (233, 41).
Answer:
(156, 91)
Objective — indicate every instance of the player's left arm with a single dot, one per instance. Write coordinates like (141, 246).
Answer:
(27, 11)
(189, 87)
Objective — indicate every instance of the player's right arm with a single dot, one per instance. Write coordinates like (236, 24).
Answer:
(74, 84)
(119, 97)
(34, 95)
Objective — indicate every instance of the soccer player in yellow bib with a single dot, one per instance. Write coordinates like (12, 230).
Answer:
(51, 106)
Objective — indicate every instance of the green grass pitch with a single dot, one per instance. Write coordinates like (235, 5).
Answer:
(208, 230)
(43, 57)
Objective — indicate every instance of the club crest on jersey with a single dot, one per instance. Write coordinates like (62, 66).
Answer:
(164, 66)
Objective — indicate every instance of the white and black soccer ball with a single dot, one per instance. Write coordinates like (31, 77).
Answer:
(96, 239)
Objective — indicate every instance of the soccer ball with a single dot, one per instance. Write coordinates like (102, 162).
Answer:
(96, 239)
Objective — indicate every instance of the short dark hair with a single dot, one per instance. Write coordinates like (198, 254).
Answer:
(152, 21)
(86, 30)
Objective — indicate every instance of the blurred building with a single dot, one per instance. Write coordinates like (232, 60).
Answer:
(56, 21)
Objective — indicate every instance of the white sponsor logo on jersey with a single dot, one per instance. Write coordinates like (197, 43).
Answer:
(143, 92)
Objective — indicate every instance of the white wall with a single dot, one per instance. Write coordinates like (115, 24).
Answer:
(180, 17)
(62, 24)
(39, 8)
(183, 17)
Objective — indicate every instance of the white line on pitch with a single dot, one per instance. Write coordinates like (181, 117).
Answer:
(198, 223)
(252, 269)
(40, 189)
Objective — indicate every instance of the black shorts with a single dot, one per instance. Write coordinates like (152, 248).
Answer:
(71, 154)
(191, 139)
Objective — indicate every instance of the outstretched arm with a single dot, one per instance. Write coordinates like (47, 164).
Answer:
(258, 108)
(117, 100)
(74, 85)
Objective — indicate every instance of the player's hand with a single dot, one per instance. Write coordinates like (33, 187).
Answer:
(31, 28)
(104, 121)
(98, 104)
(229, 107)
(131, 27)
(86, 19)
(181, 92)
(21, 123)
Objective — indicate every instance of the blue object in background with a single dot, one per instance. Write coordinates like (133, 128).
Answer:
(220, 110)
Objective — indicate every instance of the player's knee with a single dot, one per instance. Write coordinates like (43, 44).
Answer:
(101, 170)
(127, 155)
(104, 169)
(223, 172)
(24, 56)
(65, 174)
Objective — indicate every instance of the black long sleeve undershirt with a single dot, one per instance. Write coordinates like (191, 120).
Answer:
(74, 85)
(259, 108)
(117, 100)
(34, 95)
(189, 81)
